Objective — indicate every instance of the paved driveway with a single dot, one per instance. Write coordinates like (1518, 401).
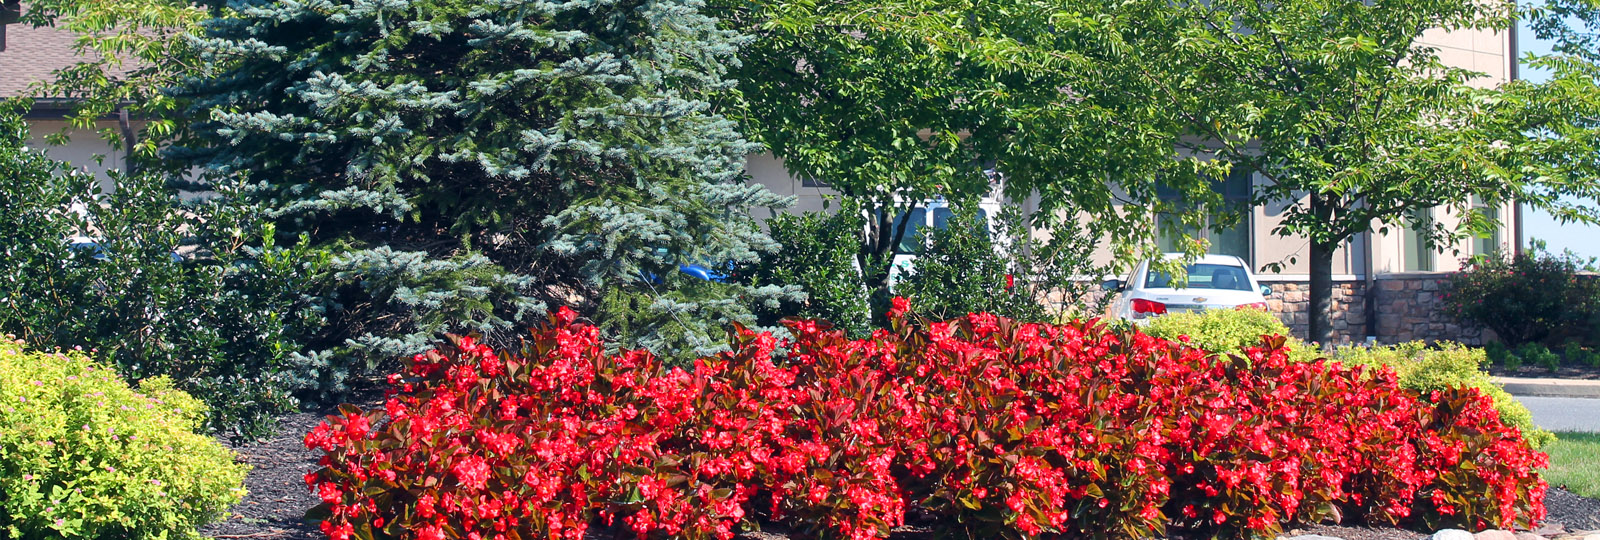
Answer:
(1564, 414)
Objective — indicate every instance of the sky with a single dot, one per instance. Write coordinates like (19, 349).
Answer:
(1581, 239)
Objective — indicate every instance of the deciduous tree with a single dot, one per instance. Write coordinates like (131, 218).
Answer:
(1354, 122)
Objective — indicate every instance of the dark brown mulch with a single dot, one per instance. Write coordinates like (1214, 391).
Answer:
(1358, 532)
(1573, 511)
(278, 497)
(1567, 371)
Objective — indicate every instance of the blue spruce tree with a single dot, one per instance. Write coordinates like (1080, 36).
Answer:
(474, 163)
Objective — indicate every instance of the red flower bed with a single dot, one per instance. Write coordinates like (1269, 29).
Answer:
(1004, 429)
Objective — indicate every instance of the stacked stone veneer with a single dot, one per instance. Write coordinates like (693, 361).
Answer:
(1409, 307)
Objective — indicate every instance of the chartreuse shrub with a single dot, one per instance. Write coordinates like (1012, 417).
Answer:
(996, 429)
(82, 455)
(1228, 331)
(1443, 366)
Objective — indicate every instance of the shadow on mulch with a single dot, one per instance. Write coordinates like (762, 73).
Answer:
(278, 497)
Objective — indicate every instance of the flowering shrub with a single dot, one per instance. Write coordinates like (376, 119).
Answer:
(1004, 429)
(1525, 298)
(84, 456)
(1441, 366)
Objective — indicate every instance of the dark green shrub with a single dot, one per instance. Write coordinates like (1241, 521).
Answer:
(1498, 354)
(1576, 353)
(962, 272)
(1539, 355)
(1525, 298)
(819, 255)
(1512, 361)
(82, 455)
(224, 322)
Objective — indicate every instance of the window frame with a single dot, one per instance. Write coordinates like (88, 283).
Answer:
(1228, 188)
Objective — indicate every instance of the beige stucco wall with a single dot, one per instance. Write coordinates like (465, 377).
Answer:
(82, 150)
(1390, 254)
(1293, 253)
(1484, 51)
(768, 170)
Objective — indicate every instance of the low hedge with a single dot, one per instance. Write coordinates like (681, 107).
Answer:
(1005, 430)
(82, 455)
(1228, 330)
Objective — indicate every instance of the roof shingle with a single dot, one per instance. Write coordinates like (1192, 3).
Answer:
(31, 55)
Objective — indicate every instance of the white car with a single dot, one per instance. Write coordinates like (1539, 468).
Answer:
(1215, 282)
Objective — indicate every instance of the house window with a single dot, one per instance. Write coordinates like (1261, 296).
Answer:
(916, 238)
(1419, 256)
(912, 242)
(1232, 240)
(942, 215)
(807, 181)
(1487, 245)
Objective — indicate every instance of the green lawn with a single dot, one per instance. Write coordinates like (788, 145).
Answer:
(1575, 461)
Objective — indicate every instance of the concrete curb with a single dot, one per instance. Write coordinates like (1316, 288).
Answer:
(1567, 388)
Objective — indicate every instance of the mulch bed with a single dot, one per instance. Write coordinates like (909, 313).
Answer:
(278, 497)
(1567, 371)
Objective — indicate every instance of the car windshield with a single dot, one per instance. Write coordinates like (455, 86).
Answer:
(1225, 277)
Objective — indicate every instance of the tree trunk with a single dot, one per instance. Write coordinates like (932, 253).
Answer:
(877, 257)
(1321, 294)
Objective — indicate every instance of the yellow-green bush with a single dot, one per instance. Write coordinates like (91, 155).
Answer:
(1228, 330)
(1446, 365)
(82, 455)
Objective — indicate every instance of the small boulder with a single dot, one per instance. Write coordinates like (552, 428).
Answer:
(1452, 534)
(1495, 534)
(1529, 536)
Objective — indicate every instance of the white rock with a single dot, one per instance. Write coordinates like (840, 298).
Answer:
(1452, 534)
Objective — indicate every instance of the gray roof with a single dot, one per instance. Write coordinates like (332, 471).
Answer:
(31, 55)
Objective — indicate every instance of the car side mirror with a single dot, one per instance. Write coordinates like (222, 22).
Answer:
(1266, 290)
(1112, 285)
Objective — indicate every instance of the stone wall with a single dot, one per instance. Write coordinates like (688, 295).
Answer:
(1410, 307)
